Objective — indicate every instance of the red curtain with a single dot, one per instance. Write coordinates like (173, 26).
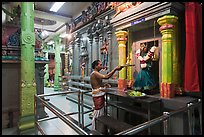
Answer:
(193, 54)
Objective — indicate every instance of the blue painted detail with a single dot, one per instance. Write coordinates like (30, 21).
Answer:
(14, 39)
(137, 21)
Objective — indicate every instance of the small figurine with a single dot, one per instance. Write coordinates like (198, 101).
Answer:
(83, 66)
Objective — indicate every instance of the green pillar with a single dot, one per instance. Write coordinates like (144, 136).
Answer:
(57, 63)
(46, 69)
(169, 56)
(176, 65)
(129, 60)
(28, 84)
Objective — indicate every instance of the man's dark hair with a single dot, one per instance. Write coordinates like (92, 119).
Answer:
(95, 63)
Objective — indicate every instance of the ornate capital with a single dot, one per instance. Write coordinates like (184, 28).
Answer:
(96, 39)
(121, 37)
(168, 19)
(101, 37)
(121, 34)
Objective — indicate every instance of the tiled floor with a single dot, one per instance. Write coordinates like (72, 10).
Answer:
(56, 126)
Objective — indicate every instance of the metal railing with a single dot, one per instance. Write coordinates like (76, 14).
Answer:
(64, 117)
(82, 108)
(165, 119)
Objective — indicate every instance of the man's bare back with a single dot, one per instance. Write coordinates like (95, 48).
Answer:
(96, 80)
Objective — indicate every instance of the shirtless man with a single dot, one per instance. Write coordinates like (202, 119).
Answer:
(98, 87)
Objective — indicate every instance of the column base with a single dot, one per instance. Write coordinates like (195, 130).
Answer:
(122, 84)
(26, 124)
(56, 88)
(167, 90)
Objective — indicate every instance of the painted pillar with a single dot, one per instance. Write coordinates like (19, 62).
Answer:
(97, 46)
(121, 38)
(100, 45)
(176, 56)
(57, 62)
(78, 42)
(109, 50)
(129, 61)
(66, 53)
(73, 55)
(46, 69)
(66, 59)
(66, 62)
(91, 54)
(28, 84)
(167, 89)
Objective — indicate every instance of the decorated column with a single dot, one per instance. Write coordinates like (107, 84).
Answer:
(100, 45)
(167, 89)
(66, 62)
(176, 60)
(108, 29)
(91, 58)
(121, 38)
(90, 36)
(57, 62)
(28, 84)
(109, 49)
(73, 53)
(66, 53)
(97, 46)
(66, 59)
(78, 43)
(129, 61)
(46, 69)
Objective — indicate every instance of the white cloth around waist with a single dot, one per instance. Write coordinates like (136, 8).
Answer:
(98, 92)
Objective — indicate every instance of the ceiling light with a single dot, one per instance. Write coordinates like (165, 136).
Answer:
(44, 33)
(56, 6)
(50, 42)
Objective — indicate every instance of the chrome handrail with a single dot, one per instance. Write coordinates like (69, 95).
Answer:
(164, 118)
(58, 114)
(82, 107)
(141, 127)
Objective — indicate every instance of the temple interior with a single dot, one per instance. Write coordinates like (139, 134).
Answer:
(148, 53)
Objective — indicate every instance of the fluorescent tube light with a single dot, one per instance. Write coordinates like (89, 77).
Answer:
(56, 6)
